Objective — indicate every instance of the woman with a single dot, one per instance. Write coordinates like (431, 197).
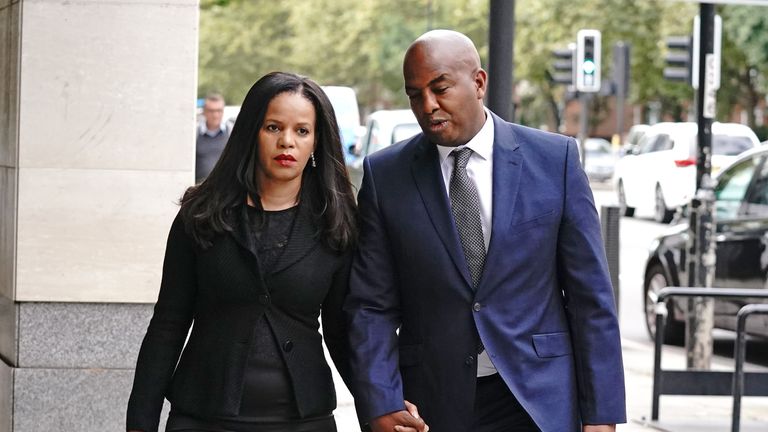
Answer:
(256, 251)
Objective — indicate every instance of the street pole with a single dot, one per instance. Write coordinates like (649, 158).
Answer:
(501, 43)
(584, 99)
(621, 70)
(701, 246)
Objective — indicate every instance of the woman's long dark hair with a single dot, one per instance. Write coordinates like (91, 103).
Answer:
(208, 209)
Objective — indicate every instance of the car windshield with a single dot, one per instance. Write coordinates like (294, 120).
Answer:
(403, 131)
(730, 145)
(731, 187)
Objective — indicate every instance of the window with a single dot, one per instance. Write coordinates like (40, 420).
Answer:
(646, 144)
(654, 143)
(372, 142)
(732, 187)
(730, 145)
(663, 142)
(404, 131)
(757, 201)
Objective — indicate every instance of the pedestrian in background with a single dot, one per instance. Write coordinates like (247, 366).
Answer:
(257, 252)
(212, 136)
(480, 290)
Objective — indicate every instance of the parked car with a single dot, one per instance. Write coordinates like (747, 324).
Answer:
(344, 102)
(383, 129)
(741, 235)
(599, 160)
(660, 174)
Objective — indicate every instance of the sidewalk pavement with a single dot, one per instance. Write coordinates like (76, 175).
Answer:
(676, 413)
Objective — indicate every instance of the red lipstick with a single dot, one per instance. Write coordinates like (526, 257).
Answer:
(285, 160)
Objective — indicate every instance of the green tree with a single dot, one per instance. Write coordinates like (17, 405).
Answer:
(361, 44)
(744, 63)
(241, 41)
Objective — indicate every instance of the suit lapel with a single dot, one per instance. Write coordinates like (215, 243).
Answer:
(507, 166)
(429, 181)
(241, 235)
(301, 241)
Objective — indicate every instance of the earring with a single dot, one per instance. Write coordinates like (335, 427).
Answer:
(312, 156)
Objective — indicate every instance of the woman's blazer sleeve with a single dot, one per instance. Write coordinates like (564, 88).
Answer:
(334, 320)
(167, 331)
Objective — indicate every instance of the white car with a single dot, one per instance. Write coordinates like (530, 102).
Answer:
(660, 174)
(383, 129)
(600, 159)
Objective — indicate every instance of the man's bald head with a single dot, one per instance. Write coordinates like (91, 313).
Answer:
(445, 44)
(445, 85)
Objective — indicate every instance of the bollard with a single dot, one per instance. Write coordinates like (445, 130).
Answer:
(610, 216)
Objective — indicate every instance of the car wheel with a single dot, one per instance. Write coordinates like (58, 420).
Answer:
(661, 214)
(674, 331)
(623, 209)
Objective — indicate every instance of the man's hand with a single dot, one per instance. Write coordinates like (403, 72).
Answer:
(599, 428)
(400, 421)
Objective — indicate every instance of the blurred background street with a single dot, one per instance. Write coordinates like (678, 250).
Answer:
(110, 110)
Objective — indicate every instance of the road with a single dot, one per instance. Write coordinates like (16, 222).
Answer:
(635, 237)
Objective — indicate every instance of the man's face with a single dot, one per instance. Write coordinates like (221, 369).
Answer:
(445, 95)
(213, 111)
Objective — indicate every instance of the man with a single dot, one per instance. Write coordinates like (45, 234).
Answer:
(212, 136)
(480, 291)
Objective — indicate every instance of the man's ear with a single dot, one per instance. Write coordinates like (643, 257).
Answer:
(481, 82)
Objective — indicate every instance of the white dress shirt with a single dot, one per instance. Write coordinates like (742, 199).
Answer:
(480, 171)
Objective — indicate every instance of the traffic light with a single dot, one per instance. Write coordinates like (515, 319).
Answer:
(588, 61)
(563, 65)
(679, 59)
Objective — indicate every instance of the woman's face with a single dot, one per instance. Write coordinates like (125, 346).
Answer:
(286, 139)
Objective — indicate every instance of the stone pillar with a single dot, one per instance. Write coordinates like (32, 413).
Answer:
(97, 116)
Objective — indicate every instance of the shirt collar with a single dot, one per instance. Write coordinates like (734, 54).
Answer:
(481, 143)
(212, 133)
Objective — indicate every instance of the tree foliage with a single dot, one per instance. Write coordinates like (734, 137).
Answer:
(361, 44)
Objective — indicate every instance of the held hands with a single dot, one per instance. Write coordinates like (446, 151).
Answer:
(599, 428)
(400, 421)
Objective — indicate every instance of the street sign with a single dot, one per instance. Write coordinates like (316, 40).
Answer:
(710, 86)
(696, 43)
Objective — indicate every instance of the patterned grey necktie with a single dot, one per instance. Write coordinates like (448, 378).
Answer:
(465, 203)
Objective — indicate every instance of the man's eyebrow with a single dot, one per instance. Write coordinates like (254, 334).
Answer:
(440, 78)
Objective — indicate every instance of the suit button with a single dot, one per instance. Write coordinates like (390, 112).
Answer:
(476, 307)
(287, 346)
(264, 299)
(469, 361)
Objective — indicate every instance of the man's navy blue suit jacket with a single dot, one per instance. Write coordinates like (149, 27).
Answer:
(543, 309)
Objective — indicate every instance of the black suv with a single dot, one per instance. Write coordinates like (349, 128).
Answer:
(742, 254)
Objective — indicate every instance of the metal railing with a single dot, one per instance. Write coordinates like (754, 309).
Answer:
(740, 353)
(705, 382)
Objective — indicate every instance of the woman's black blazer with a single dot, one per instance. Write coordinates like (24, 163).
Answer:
(221, 292)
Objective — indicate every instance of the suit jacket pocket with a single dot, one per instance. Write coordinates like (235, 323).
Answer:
(533, 222)
(552, 344)
(410, 355)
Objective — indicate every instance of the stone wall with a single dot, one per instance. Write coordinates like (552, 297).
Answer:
(97, 118)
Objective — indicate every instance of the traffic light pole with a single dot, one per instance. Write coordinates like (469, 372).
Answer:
(584, 100)
(621, 70)
(701, 245)
(501, 42)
